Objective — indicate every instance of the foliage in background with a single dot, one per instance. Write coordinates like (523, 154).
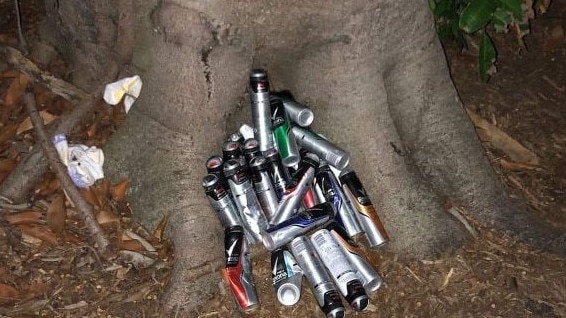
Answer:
(457, 18)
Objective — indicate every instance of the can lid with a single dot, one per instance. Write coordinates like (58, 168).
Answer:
(360, 303)
(231, 167)
(209, 180)
(258, 74)
(236, 136)
(272, 155)
(231, 149)
(250, 145)
(214, 163)
(288, 294)
(311, 159)
(258, 163)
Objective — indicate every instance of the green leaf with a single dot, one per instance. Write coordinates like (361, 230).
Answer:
(515, 7)
(476, 15)
(486, 57)
(444, 9)
(501, 19)
(432, 5)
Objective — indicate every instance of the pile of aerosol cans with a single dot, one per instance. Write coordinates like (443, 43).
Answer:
(282, 184)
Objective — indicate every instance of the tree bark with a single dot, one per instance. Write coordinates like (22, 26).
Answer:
(373, 71)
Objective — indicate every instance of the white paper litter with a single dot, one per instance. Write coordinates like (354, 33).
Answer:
(84, 164)
(129, 86)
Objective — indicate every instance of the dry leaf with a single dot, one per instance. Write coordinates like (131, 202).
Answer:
(8, 294)
(106, 217)
(49, 185)
(16, 90)
(132, 245)
(9, 74)
(517, 166)
(148, 247)
(35, 290)
(40, 232)
(8, 165)
(160, 229)
(57, 214)
(500, 140)
(138, 260)
(7, 132)
(553, 39)
(119, 190)
(90, 197)
(27, 125)
(26, 217)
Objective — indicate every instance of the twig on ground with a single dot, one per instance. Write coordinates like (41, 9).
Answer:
(456, 213)
(105, 247)
(59, 87)
(23, 43)
(28, 173)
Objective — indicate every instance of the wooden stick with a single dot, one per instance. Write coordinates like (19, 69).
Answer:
(105, 247)
(28, 173)
(58, 86)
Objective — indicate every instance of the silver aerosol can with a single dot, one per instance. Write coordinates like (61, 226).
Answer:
(296, 190)
(340, 269)
(221, 201)
(298, 113)
(370, 222)
(248, 206)
(332, 192)
(261, 113)
(369, 276)
(320, 282)
(287, 275)
(329, 152)
(304, 221)
(263, 186)
(238, 269)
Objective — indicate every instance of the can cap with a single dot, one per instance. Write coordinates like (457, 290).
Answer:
(209, 180)
(214, 164)
(231, 167)
(258, 163)
(288, 294)
(231, 149)
(360, 303)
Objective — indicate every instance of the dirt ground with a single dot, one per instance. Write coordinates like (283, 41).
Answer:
(47, 270)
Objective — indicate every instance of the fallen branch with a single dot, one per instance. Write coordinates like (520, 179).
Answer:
(105, 247)
(59, 87)
(28, 173)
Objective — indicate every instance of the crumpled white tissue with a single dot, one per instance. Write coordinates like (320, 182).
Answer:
(84, 164)
(129, 86)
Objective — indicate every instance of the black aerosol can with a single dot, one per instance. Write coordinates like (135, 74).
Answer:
(332, 192)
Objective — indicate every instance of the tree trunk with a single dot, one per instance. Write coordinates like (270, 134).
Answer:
(373, 72)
